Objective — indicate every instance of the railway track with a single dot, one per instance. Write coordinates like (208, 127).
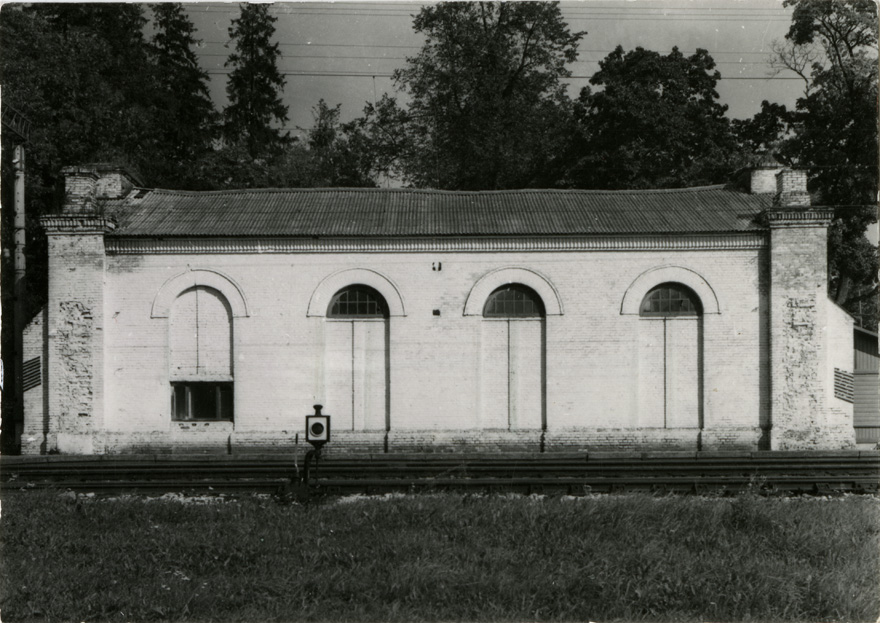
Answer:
(792, 472)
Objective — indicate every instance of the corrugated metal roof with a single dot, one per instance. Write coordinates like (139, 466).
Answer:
(401, 212)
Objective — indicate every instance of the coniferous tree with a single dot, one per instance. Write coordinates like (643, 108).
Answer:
(189, 123)
(255, 84)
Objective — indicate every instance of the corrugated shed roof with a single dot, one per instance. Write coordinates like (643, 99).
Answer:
(401, 212)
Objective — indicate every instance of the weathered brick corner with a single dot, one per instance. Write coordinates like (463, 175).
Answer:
(75, 315)
(799, 315)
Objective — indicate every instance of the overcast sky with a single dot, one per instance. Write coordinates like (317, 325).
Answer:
(345, 52)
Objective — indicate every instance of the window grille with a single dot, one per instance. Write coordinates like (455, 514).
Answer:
(671, 299)
(514, 301)
(201, 402)
(843, 385)
(31, 375)
(358, 301)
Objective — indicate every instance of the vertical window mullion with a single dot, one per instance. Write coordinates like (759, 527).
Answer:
(198, 323)
(357, 301)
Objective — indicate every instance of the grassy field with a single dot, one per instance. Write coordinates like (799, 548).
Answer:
(441, 558)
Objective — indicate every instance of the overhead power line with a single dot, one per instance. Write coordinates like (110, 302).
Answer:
(713, 53)
(565, 7)
(403, 58)
(419, 47)
(607, 17)
(580, 11)
(377, 74)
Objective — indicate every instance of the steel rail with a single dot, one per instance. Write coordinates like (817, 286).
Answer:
(843, 471)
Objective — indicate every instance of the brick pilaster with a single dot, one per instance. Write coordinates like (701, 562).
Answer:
(75, 317)
(798, 321)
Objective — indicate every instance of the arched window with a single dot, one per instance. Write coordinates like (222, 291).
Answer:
(671, 299)
(200, 340)
(358, 301)
(513, 352)
(356, 358)
(670, 357)
(514, 301)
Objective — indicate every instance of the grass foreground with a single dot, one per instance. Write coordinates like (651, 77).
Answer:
(446, 557)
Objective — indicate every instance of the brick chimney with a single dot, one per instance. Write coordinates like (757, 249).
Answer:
(791, 188)
(762, 174)
(80, 190)
(115, 181)
(85, 184)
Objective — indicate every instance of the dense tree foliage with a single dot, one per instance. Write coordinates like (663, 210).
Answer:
(382, 139)
(336, 159)
(655, 123)
(190, 122)
(85, 84)
(485, 98)
(325, 159)
(255, 84)
(83, 78)
(763, 133)
(836, 120)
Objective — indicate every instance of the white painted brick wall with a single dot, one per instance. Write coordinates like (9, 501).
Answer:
(840, 355)
(437, 363)
(200, 336)
(682, 373)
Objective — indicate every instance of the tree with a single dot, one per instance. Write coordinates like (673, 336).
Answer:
(190, 122)
(82, 76)
(656, 123)
(335, 160)
(118, 28)
(833, 47)
(87, 85)
(763, 133)
(382, 138)
(487, 104)
(325, 159)
(255, 82)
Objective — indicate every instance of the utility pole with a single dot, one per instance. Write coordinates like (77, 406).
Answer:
(18, 126)
(19, 284)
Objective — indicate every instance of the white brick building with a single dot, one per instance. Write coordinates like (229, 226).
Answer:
(436, 321)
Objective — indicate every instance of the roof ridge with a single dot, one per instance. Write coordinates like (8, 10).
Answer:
(537, 234)
(434, 191)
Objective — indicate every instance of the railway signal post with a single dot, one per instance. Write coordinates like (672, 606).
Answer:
(317, 434)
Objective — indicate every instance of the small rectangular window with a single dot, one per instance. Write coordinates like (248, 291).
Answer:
(202, 402)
